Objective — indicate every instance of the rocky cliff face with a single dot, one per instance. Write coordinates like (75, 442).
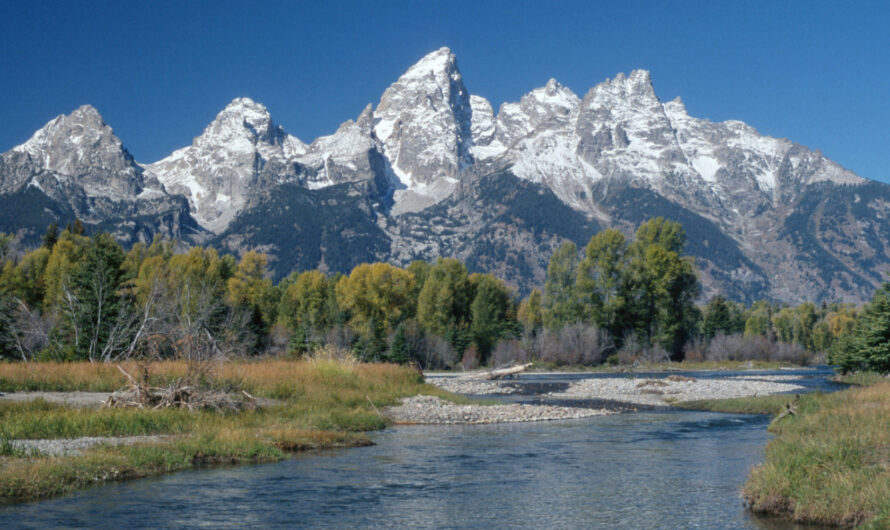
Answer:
(240, 153)
(433, 170)
(75, 167)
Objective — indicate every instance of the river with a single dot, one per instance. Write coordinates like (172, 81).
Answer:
(650, 469)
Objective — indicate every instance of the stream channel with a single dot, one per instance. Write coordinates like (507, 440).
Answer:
(661, 468)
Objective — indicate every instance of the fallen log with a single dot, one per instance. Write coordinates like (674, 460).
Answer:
(505, 372)
(790, 409)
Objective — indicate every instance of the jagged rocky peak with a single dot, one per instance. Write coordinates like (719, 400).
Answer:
(241, 150)
(424, 121)
(244, 125)
(74, 142)
(551, 104)
(348, 155)
(483, 125)
(80, 150)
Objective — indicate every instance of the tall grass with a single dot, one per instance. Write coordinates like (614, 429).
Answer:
(830, 463)
(322, 403)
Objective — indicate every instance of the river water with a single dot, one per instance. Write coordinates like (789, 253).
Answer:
(650, 469)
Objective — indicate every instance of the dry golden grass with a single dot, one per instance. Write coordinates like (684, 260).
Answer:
(325, 402)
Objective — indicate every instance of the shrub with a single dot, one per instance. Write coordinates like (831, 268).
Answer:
(509, 352)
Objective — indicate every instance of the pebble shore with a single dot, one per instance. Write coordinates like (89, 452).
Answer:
(433, 410)
(664, 392)
(471, 387)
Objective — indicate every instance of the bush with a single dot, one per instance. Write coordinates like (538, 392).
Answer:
(470, 359)
(510, 352)
(738, 347)
(574, 344)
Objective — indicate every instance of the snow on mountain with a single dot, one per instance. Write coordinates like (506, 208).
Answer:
(242, 149)
(350, 154)
(424, 123)
(78, 149)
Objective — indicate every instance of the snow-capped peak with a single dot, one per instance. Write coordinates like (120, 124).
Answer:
(436, 63)
(230, 157)
(83, 126)
(424, 122)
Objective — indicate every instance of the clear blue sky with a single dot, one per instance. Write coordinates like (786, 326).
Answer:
(817, 73)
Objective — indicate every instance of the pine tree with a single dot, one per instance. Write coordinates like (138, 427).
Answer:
(867, 347)
(717, 317)
(399, 352)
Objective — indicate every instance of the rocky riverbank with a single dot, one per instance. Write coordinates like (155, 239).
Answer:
(664, 391)
(433, 410)
(671, 390)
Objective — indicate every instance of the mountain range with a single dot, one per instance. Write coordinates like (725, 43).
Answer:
(432, 170)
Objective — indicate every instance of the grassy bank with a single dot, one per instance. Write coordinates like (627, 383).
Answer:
(829, 463)
(746, 405)
(321, 404)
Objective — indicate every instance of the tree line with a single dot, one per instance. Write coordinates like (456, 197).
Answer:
(619, 300)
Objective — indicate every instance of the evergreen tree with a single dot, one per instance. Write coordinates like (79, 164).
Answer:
(51, 236)
(399, 352)
(867, 347)
(717, 317)
(91, 302)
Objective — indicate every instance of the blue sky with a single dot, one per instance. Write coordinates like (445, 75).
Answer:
(815, 72)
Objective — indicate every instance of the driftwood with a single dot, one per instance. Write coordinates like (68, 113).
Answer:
(790, 409)
(506, 372)
(179, 394)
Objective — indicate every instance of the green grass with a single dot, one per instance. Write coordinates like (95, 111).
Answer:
(830, 463)
(860, 378)
(322, 404)
(746, 405)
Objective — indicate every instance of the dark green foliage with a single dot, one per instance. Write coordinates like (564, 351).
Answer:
(372, 347)
(867, 347)
(91, 302)
(645, 288)
(300, 342)
(703, 238)
(489, 319)
(444, 302)
(77, 228)
(51, 236)
(7, 332)
(399, 352)
(717, 318)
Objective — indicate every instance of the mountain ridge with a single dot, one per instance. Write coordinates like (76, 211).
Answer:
(614, 156)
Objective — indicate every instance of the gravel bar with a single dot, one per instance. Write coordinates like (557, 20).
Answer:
(664, 392)
(433, 410)
(473, 387)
